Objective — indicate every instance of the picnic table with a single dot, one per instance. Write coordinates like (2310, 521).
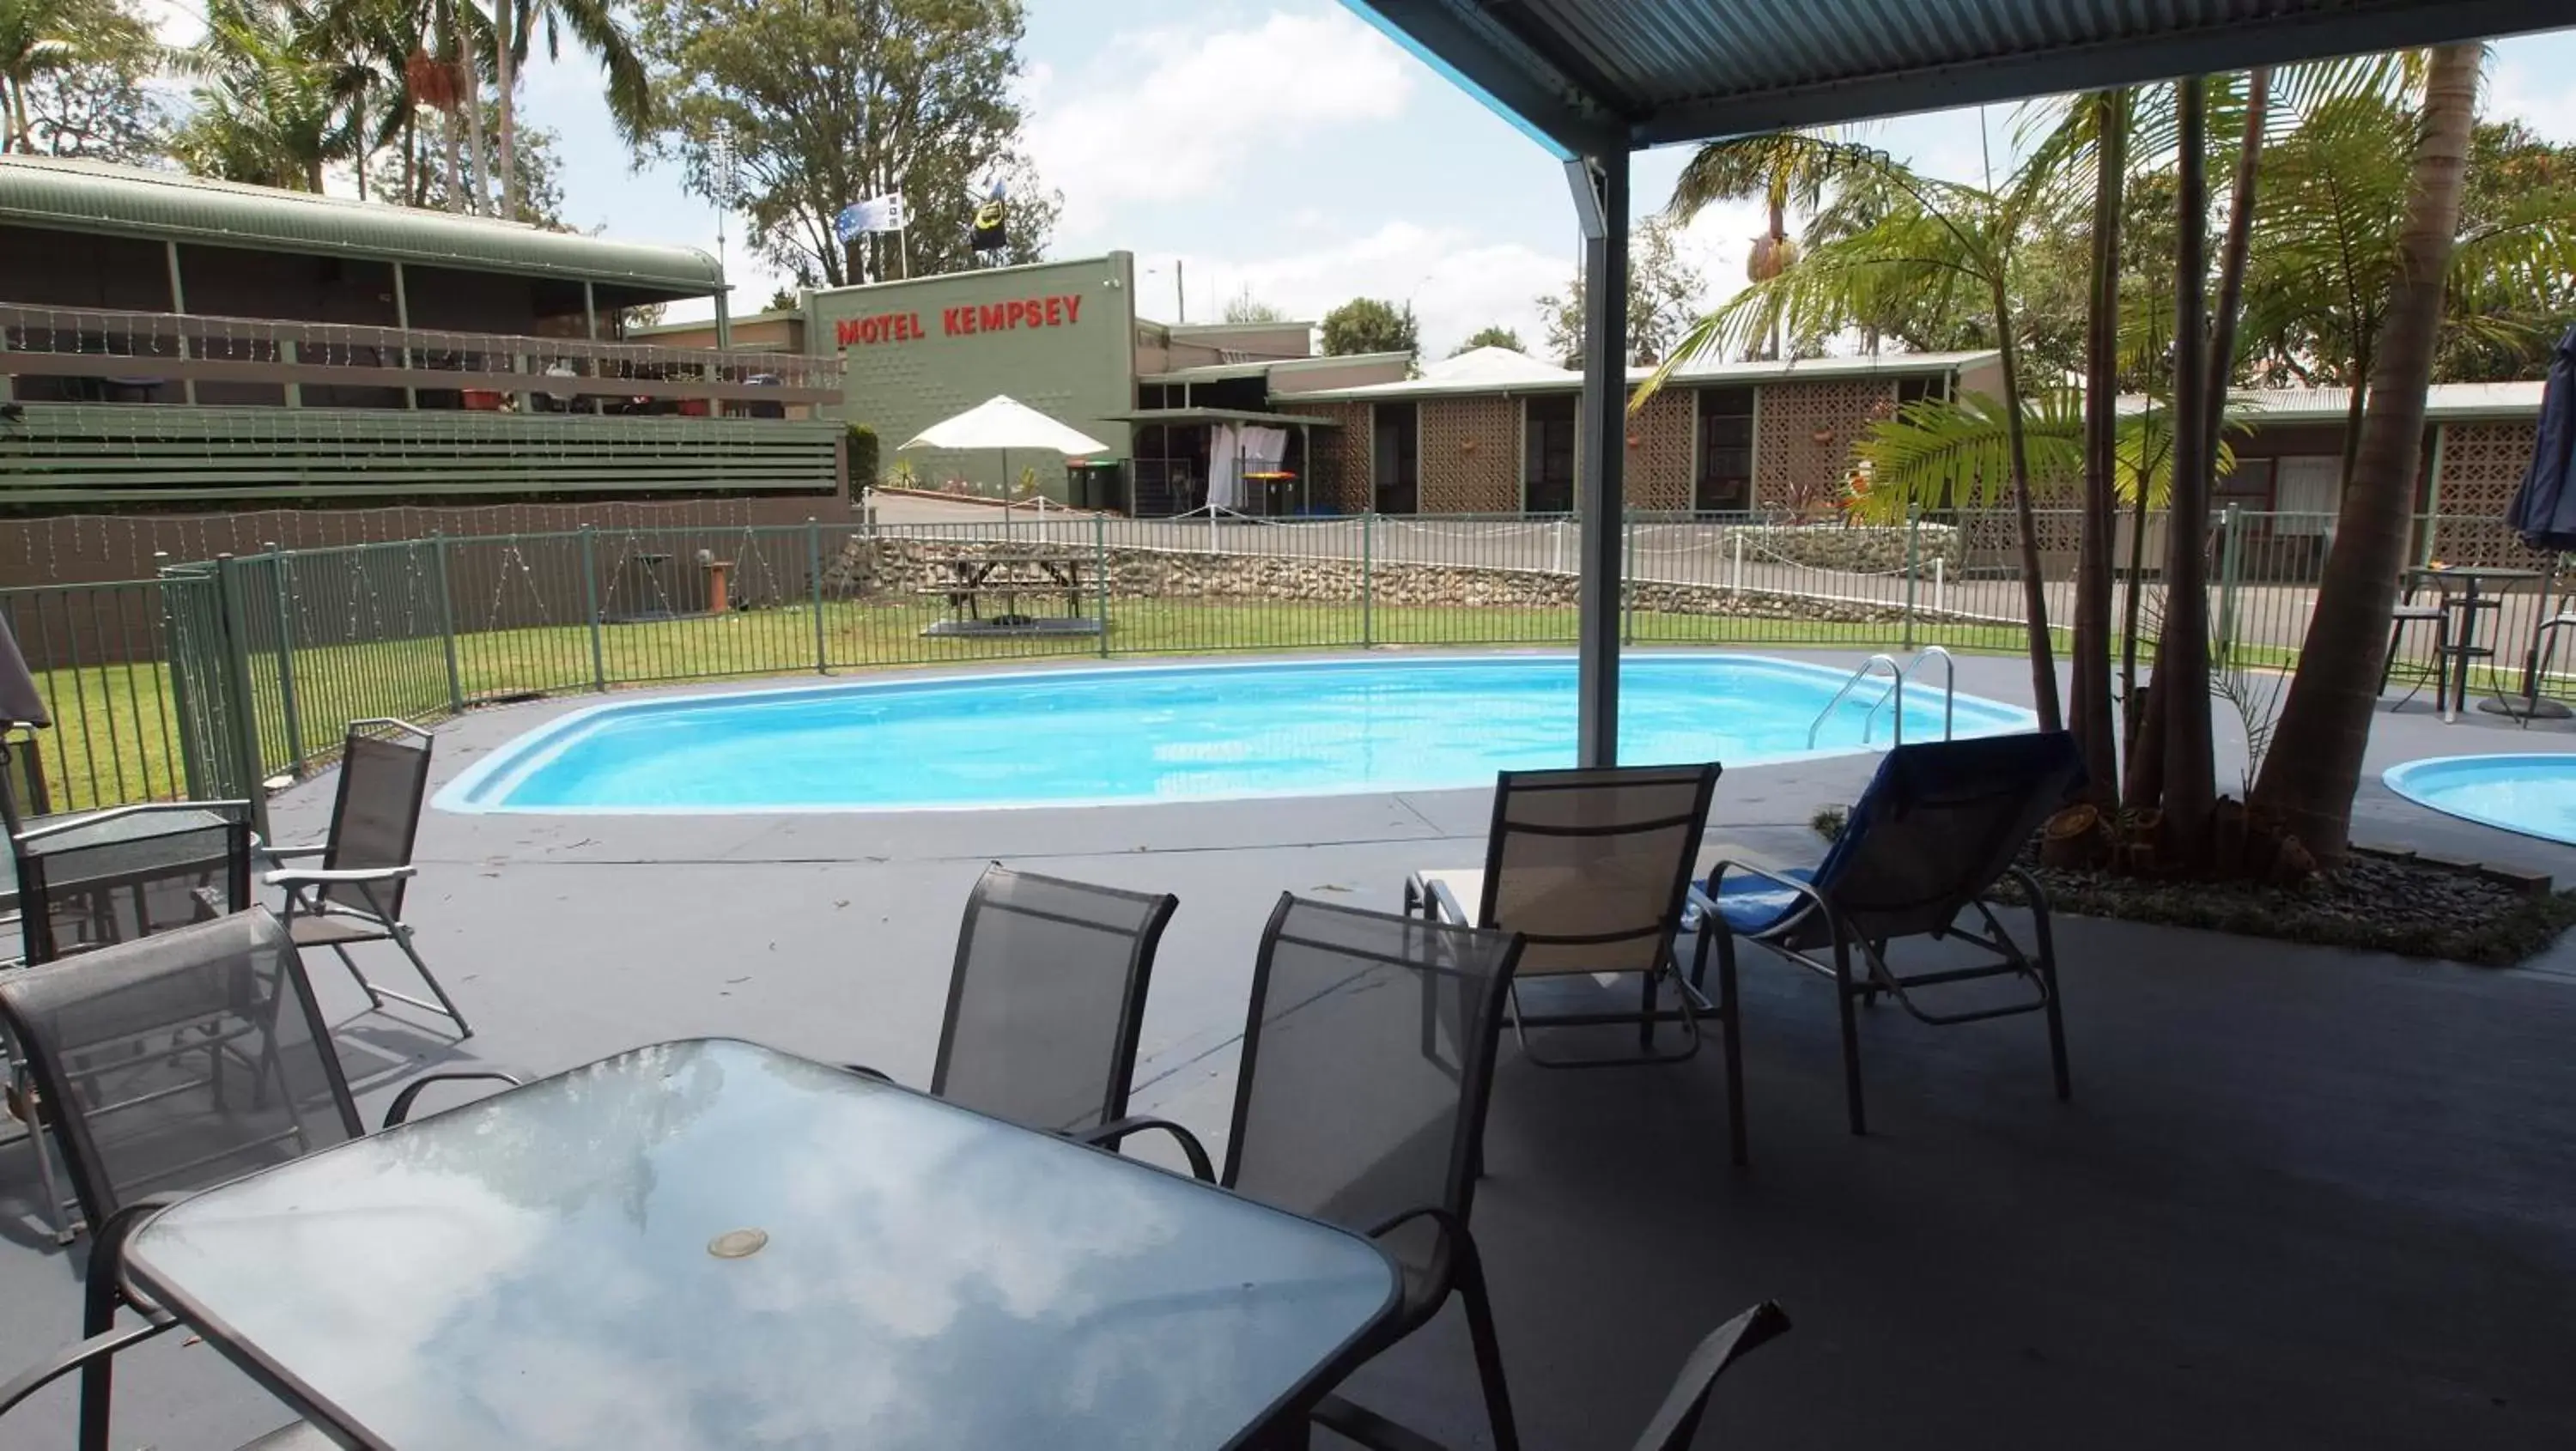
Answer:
(1009, 574)
(709, 1244)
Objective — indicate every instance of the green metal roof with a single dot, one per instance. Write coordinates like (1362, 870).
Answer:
(94, 197)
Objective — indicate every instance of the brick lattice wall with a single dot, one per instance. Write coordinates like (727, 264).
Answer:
(2482, 466)
(1471, 455)
(1341, 464)
(1659, 462)
(1789, 464)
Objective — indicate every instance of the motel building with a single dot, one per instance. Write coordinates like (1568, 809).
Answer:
(1487, 432)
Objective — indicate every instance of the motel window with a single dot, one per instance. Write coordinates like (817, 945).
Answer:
(1915, 390)
(1725, 451)
(1547, 433)
(1396, 459)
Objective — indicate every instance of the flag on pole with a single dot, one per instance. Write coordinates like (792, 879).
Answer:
(873, 214)
(992, 222)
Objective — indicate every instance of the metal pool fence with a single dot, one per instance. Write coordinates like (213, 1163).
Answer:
(221, 674)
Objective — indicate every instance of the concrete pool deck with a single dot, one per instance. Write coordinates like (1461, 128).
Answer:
(2302, 1197)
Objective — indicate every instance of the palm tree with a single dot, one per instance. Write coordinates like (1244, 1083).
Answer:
(267, 106)
(595, 28)
(1778, 169)
(2309, 777)
(1901, 243)
(41, 38)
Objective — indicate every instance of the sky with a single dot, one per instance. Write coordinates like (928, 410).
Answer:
(1286, 149)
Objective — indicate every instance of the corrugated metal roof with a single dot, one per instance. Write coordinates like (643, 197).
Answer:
(94, 197)
(1538, 377)
(2334, 405)
(1594, 76)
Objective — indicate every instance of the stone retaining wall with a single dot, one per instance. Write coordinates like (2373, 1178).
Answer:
(1863, 549)
(911, 568)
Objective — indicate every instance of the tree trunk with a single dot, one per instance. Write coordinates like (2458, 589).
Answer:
(2034, 591)
(2090, 711)
(2181, 693)
(2315, 764)
(2355, 405)
(480, 185)
(2231, 264)
(455, 180)
(509, 120)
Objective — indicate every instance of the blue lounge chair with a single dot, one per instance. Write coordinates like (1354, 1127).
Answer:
(1941, 824)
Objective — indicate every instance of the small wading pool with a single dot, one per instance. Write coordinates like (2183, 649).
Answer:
(1171, 733)
(2534, 795)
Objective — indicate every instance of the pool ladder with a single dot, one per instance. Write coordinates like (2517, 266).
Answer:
(1897, 675)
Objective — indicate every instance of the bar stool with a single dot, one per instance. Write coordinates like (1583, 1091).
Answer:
(2408, 613)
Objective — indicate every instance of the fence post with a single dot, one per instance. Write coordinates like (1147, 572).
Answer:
(278, 560)
(1628, 577)
(446, 620)
(1735, 575)
(2227, 567)
(1913, 565)
(1100, 574)
(183, 620)
(1941, 584)
(236, 679)
(1368, 579)
(590, 608)
(814, 589)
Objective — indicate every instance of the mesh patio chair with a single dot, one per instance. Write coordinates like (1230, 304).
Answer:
(1367, 1060)
(1593, 869)
(102, 1339)
(102, 877)
(356, 895)
(1046, 999)
(1942, 823)
(184, 1059)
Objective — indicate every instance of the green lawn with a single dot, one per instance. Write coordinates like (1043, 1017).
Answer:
(117, 734)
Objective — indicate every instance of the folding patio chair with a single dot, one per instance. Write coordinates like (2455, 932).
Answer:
(184, 1059)
(1592, 867)
(1942, 823)
(356, 895)
(1367, 1061)
(1047, 998)
(93, 1359)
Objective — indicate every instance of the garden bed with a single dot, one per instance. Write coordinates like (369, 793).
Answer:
(2383, 901)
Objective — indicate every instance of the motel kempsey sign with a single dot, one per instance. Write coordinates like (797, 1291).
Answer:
(1055, 310)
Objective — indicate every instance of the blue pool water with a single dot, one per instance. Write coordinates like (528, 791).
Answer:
(2534, 795)
(1170, 733)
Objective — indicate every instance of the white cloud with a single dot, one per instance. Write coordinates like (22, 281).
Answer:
(1186, 127)
(1456, 280)
(2516, 91)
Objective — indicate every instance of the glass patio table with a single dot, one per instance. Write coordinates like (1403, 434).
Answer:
(713, 1244)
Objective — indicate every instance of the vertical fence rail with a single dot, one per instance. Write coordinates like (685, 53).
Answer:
(219, 673)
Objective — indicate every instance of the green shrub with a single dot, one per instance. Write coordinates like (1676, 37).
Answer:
(863, 451)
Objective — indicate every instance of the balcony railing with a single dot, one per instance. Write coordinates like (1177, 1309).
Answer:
(102, 355)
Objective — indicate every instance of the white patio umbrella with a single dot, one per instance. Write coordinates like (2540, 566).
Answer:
(1004, 423)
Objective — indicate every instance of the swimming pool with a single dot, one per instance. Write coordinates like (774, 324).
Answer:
(1168, 733)
(2532, 794)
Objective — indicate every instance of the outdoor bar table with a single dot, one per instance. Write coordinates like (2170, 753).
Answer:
(713, 1244)
(130, 848)
(2470, 579)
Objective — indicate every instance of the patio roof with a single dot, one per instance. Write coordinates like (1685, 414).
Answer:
(1592, 77)
(1440, 380)
(1221, 415)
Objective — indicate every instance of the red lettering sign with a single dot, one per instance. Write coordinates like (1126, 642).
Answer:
(965, 320)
